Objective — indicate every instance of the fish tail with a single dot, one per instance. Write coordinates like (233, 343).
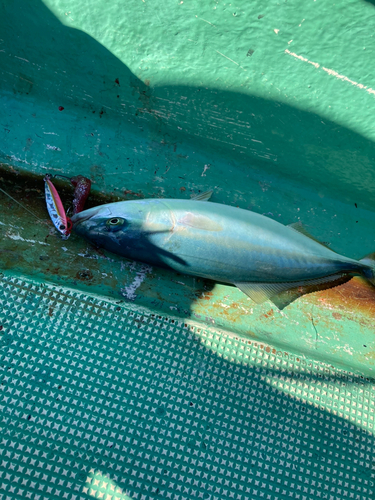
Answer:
(369, 270)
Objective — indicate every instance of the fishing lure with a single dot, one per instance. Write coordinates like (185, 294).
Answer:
(56, 211)
(82, 186)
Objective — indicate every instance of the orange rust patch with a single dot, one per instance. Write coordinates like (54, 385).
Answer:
(268, 314)
(337, 315)
(207, 296)
(232, 314)
(356, 296)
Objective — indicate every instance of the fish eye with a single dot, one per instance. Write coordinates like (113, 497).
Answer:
(115, 223)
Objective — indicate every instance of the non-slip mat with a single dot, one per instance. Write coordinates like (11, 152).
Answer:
(99, 400)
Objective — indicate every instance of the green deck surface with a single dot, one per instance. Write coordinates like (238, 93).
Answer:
(102, 400)
(125, 381)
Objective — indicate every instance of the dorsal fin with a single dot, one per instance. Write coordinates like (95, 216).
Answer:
(300, 228)
(202, 196)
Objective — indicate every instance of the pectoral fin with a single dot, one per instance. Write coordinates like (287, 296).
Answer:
(260, 292)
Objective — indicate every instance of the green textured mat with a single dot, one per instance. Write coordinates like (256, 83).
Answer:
(99, 400)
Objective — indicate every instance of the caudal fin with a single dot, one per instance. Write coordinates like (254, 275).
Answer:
(369, 260)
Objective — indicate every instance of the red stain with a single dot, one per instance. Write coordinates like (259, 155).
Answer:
(128, 191)
(61, 108)
(268, 314)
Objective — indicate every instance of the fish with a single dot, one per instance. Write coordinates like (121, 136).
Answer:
(55, 208)
(258, 255)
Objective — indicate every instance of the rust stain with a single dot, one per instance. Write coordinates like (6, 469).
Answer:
(54, 270)
(356, 296)
(233, 313)
(268, 314)
(267, 348)
(132, 193)
(368, 356)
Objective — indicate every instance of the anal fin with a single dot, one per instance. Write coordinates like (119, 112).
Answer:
(260, 292)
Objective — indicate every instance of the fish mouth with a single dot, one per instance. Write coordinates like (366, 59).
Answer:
(89, 214)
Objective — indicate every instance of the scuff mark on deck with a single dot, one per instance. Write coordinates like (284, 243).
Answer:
(229, 59)
(18, 237)
(331, 72)
(129, 291)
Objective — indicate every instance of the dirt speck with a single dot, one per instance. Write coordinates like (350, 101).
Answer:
(84, 275)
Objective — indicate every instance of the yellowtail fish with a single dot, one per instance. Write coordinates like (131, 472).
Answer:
(260, 256)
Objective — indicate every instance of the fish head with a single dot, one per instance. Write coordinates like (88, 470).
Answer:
(103, 225)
